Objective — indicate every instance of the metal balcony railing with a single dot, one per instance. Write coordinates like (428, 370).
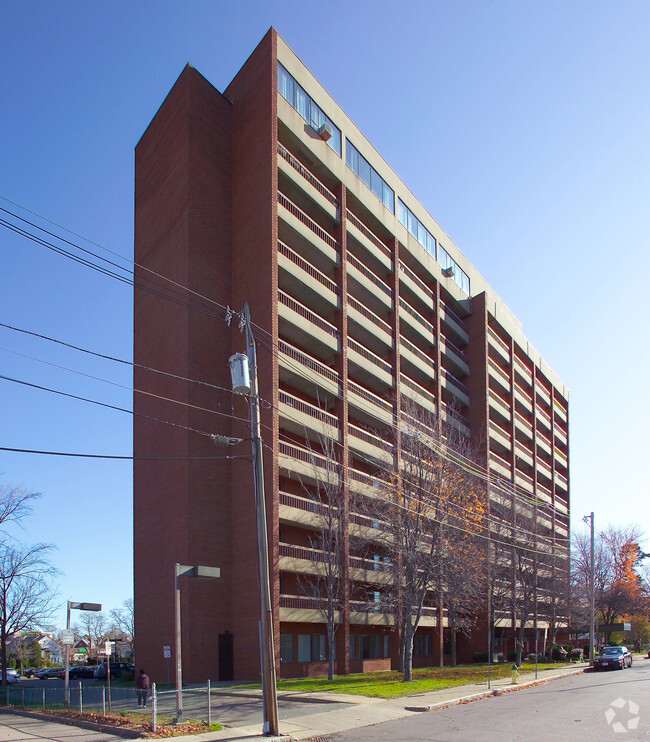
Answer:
(416, 316)
(369, 355)
(309, 176)
(307, 361)
(304, 265)
(308, 409)
(416, 280)
(372, 277)
(375, 319)
(310, 316)
(308, 222)
(368, 234)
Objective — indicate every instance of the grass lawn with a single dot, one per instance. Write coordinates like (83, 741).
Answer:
(390, 684)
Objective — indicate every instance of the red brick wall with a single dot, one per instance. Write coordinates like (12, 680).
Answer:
(182, 508)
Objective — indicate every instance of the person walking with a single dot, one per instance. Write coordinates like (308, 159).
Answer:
(142, 683)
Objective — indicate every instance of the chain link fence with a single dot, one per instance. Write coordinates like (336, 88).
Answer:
(156, 707)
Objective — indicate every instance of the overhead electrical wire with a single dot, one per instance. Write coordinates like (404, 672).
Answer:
(123, 458)
(270, 344)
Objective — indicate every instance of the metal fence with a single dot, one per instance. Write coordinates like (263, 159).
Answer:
(160, 707)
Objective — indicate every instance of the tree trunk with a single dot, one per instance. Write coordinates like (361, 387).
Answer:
(452, 635)
(441, 631)
(409, 633)
(402, 646)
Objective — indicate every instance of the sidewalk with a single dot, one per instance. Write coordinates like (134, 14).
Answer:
(363, 711)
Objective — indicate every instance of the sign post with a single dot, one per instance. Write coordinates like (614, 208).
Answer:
(167, 653)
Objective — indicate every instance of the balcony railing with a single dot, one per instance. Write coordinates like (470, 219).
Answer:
(308, 409)
(496, 459)
(451, 314)
(417, 281)
(309, 176)
(369, 355)
(526, 372)
(560, 408)
(359, 476)
(417, 352)
(500, 431)
(503, 345)
(307, 361)
(544, 439)
(308, 222)
(371, 565)
(416, 316)
(304, 265)
(455, 381)
(546, 418)
(302, 503)
(310, 316)
(520, 447)
(417, 388)
(302, 602)
(541, 464)
(362, 309)
(523, 393)
(520, 418)
(373, 440)
(454, 414)
(303, 454)
(499, 399)
(369, 396)
(499, 371)
(372, 277)
(446, 343)
(302, 552)
(368, 233)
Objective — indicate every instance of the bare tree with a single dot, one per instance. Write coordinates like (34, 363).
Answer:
(16, 504)
(329, 549)
(422, 507)
(27, 592)
(122, 621)
(93, 627)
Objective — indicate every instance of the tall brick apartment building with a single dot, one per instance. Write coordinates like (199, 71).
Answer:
(268, 194)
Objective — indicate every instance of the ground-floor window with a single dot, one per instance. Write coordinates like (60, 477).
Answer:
(369, 646)
(312, 648)
(286, 647)
(422, 645)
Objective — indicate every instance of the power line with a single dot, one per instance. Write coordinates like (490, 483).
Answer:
(121, 458)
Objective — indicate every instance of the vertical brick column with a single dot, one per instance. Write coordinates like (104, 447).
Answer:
(397, 413)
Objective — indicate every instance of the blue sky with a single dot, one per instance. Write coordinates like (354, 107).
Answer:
(522, 127)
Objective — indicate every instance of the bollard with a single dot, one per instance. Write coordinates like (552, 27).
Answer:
(43, 699)
(209, 709)
(103, 701)
(81, 700)
(515, 674)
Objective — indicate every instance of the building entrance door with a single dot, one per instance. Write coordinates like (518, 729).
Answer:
(226, 669)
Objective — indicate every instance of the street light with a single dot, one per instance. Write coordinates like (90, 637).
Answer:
(592, 578)
(183, 570)
(70, 640)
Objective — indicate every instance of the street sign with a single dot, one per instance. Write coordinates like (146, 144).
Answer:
(67, 637)
(108, 648)
(167, 652)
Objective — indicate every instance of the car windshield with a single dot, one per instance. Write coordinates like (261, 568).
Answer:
(611, 651)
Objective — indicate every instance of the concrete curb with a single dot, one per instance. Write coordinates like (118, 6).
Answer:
(490, 693)
(82, 723)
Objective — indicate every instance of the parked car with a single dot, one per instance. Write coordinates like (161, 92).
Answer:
(82, 671)
(613, 658)
(50, 672)
(117, 670)
(29, 672)
(12, 676)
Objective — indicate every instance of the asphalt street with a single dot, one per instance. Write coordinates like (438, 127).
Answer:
(590, 707)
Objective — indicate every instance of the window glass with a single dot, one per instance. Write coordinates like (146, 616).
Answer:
(303, 102)
(386, 645)
(422, 235)
(318, 651)
(304, 647)
(352, 645)
(402, 213)
(444, 258)
(352, 158)
(364, 171)
(376, 184)
(298, 98)
(431, 244)
(286, 647)
(389, 198)
(285, 84)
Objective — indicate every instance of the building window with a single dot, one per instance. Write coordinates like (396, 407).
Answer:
(369, 176)
(306, 107)
(312, 648)
(286, 647)
(407, 218)
(460, 277)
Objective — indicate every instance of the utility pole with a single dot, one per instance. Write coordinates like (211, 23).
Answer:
(592, 581)
(267, 650)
